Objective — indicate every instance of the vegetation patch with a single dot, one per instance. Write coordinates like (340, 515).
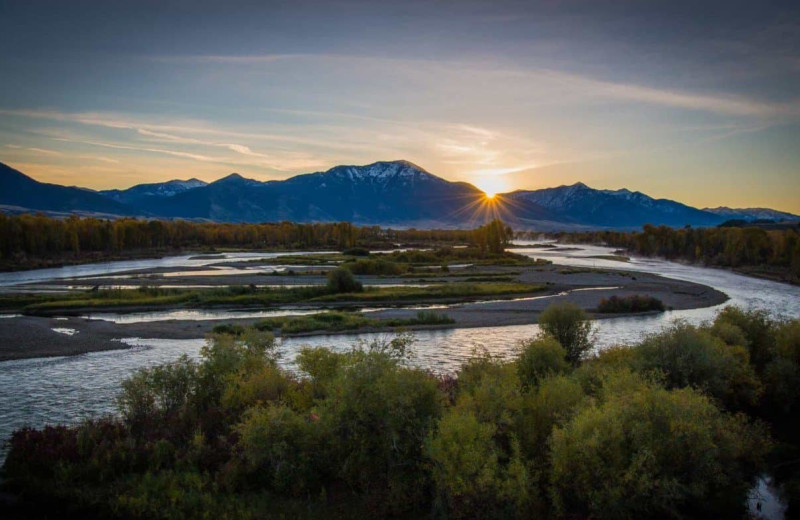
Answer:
(335, 322)
(375, 266)
(632, 303)
(677, 426)
(433, 292)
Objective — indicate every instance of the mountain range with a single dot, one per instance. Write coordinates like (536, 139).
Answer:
(390, 193)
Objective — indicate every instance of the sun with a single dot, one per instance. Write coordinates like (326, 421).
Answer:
(491, 185)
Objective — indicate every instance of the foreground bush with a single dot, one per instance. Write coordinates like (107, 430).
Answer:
(569, 325)
(658, 453)
(655, 430)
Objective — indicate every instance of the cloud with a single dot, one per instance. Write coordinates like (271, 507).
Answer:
(585, 87)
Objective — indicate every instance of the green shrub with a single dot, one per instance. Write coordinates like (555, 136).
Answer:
(473, 477)
(632, 303)
(341, 280)
(757, 328)
(356, 251)
(283, 450)
(539, 358)
(379, 415)
(653, 453)
(782, 376)
(569, 325)
(689, 357)
(374, 266)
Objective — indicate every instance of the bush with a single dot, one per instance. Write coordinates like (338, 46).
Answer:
(356, 251)
(782, 375)
(379, 415)
(283, 450)
(632, 303)
(341, 280)
(374, 267)
(758, 329)
(690, 357)
(653, 453)
(473, 476)
(569, 325)
(539, 358)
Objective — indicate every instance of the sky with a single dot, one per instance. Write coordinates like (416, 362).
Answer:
(694, 101)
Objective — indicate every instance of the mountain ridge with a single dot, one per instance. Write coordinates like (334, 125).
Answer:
(394, 193)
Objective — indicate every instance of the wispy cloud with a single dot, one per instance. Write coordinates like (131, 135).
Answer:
(587, 87)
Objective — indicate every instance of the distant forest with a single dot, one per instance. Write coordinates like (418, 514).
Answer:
(34, 240)
(754, 250)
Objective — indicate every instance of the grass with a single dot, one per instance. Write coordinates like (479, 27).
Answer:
(154, 297)
(461, 274)
(438, 291)
(248, 296)
(335, 322)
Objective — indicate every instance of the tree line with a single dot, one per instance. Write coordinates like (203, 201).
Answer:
(720, 246)
(38, 236)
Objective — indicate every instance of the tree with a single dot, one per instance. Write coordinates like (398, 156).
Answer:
(569, 325)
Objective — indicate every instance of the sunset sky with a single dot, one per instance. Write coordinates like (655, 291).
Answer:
(694, 101)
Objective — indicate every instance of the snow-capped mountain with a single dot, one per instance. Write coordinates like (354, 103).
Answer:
(613, 208)
(392, 193)
(752, 213)
(136, 193)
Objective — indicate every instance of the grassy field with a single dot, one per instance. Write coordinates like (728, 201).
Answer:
(439, 291)
(249, 296)
(336, 321)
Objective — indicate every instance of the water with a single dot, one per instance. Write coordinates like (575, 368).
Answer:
(194, 315)
(106, 268)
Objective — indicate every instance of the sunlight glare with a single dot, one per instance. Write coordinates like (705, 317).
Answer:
(491, 185)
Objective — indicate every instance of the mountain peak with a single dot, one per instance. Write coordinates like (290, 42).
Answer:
(383, 171)
(235, 178)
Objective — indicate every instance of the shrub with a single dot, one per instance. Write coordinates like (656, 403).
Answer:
(690, 357)
(422, 318)
(539, 358)
(372, 266)
(757, 328)
(653, 453)
(356, 251)
(473, 477)
(283, 450)
(569, 325)
(379, 416)
(782, 374)
(228, 328)
(341, 280)
(631, 303)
